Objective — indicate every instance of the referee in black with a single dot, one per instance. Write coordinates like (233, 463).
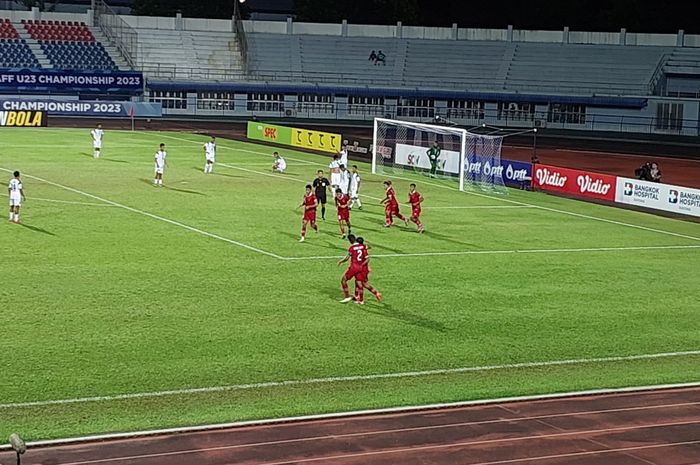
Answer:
(321, 183)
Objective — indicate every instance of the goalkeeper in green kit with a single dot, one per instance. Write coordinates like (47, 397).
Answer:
(433, 155)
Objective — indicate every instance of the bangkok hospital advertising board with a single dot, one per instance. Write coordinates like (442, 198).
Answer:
(665, 197)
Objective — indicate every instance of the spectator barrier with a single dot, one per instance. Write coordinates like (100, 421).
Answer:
(295, 137)
(616, 189)
(657, 196)
(89, 108)
(121, 82)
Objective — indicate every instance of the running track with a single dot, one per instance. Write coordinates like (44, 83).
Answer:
(651, 427)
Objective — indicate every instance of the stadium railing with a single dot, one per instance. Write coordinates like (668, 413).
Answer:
(241, 37)
(124, 37)
(176, 73)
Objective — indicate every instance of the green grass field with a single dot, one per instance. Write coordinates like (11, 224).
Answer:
(114, 287)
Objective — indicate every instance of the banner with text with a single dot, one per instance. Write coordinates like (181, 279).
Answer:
(512, 172)
(23, 119)
(269, 133)
(414, 156)
(85, 108)
(574, 182)
(37, 80)
(295, 137)
(666, 197)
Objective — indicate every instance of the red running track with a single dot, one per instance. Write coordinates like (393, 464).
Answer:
(650, 427)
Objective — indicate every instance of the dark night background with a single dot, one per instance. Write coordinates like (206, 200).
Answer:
(589, 15)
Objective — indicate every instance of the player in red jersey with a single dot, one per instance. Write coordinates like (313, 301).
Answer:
(357, 254)
(342, 203)
(359, 293)
(391, 206)
(309, 203)
(415, 199)
(359, 269)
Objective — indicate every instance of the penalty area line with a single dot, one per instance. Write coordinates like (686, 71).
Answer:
(556, 210)
(507, 252)
(355, 378)
(153, 216)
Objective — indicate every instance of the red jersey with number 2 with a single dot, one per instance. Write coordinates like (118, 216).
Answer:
(358, 257)
(309, 208)
(414, 200)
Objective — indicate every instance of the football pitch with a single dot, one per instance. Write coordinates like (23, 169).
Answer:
(128, 307)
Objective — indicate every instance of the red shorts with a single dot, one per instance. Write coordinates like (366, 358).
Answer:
(357, 272)
(416, 213)
(310, 215)
(343, 215)
(392, 208)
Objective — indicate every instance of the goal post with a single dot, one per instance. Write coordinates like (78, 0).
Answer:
(455, 155)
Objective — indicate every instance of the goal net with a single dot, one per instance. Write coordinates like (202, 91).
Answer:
(457, 156)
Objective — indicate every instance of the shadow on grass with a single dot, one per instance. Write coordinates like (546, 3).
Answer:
(388, 311)
(184, 191)
(444, 238)
(37, 229)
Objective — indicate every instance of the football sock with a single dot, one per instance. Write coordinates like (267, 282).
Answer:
(12, 216)
(359, 291)
(346, 291)
(323, 211)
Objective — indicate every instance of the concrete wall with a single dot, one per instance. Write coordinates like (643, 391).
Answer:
(17, 15)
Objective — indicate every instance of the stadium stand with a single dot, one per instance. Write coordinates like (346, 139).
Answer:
(69, 45)
(14, 51)
(198, 55)
(478, 65)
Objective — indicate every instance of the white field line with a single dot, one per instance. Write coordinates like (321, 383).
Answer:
(280, 176)
(155, 217)
(406, 410)
(69, 202)
(346, 379)
(515, 202)
(556, 210)
(507, 252)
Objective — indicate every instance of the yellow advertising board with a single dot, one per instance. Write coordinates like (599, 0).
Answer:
(316, 140)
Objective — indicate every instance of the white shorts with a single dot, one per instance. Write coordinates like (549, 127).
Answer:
(97, 144)
(353, 193)
(279, 170)
(335, 179)
(210, 159)
(159, 169)
(15, 201)
(344, 189)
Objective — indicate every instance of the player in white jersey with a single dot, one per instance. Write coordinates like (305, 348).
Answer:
(16, 192)
(280, 163)
(209, 155)
(97, 134)
(355, 188)
(344, 179)
(343, 155)
(161, 154)
(335, 172)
